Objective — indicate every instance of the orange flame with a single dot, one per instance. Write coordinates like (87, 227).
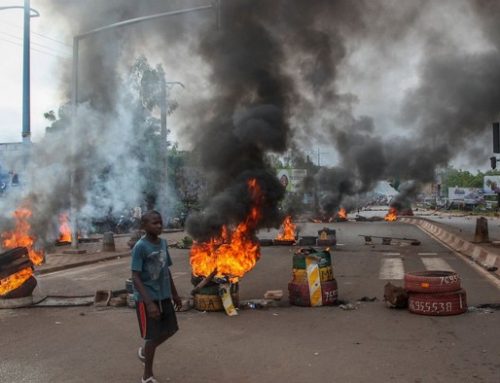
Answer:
(287, 232)
(233, 253)
(13, 281)
(64, 228)
(20, 237)
(392, 215)
(342, 213)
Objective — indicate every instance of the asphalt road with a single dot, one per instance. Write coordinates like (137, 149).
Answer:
(282, 344)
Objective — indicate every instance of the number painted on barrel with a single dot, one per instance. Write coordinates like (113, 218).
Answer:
(431, 307)
(449, 279)
(330, 296)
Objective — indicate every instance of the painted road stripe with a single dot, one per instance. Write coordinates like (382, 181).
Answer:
(392, 268)
(427, 254)
(436, 264)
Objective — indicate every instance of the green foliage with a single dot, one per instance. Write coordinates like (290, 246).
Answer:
(452, 177)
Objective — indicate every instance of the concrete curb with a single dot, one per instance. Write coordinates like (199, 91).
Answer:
(51, 269)
(478, 254)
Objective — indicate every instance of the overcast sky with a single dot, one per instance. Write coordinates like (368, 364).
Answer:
(48, 50)
(380, 89)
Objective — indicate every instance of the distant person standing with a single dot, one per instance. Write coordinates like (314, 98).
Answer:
(154, 291)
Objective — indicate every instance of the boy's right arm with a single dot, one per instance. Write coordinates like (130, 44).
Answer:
(136, 266)
(152, 308)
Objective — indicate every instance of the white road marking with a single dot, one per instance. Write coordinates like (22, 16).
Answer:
(392, 268)
(436, 264)
(490, 278)
(427, 254)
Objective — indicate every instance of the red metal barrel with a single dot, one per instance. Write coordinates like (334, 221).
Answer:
(438, 304)
(299, 293)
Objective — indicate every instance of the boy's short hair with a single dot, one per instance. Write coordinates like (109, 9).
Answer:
(147, 215)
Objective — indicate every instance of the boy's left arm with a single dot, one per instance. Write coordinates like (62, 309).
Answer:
(175, 296)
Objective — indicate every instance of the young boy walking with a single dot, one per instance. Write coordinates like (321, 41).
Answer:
(154, 291)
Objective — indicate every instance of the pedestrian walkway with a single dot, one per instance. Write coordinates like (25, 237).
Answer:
(392, 267)
(58, 259)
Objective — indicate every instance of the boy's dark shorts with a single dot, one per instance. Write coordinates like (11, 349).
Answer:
(152, 329)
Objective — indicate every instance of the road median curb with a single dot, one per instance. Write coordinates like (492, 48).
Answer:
(51, 269)
(476, 253)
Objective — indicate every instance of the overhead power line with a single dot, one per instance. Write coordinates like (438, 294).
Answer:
(35, 43)
(36, 50)
(39, 34)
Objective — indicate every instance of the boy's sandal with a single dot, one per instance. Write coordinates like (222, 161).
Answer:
(151, 379)
(140, 355)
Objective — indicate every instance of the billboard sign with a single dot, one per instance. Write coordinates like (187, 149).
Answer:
(491, 184)
(291, 179)
(465, 195)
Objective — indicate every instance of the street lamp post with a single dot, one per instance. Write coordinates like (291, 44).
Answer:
(74, 86)
(165, 94)
(26, 133)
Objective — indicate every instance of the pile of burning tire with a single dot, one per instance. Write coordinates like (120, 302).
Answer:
(209, 297)
(436, 293)
(313, 283)
(16, 278)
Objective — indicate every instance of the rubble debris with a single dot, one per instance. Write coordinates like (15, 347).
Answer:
(481, 310)
(388, 240)
(494, 306)
(367, 299)
(348, 307)
(395, 296)
(119, 301)
(258, 304)
(102, 298)
(273, 294)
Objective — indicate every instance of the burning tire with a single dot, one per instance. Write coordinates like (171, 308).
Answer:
(22, 291)
(206, 302)
(299, 276)
(438, 304)
(432, 281)
(195, 280)
(214, 289)
(299, 293)
(299, 260)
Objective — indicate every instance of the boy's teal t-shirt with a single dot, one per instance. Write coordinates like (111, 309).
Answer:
(152, 261)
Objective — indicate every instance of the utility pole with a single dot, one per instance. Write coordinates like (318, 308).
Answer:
(28, 13)
(74, 89)
(26, 74)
